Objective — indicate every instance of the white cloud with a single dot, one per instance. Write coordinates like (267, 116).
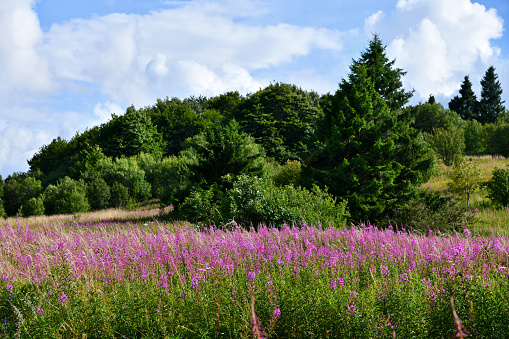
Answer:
(137, 58)
(439, 42)
(22, 67)
(103, 111)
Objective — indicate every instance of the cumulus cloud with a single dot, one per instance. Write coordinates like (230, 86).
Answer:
(439, 42)
(200, 44)
(23, 69)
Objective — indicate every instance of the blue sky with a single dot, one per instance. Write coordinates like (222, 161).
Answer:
(67, 65)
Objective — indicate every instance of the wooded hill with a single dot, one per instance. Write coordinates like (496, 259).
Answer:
(280, 154)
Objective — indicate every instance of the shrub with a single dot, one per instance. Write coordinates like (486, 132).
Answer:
(288, 174)
(119, 195)
(498, 187)
(34, 206)
(475, 138)
(71, 196)
(448, 144)
(98, 194)
(252, 201)
(466, 178)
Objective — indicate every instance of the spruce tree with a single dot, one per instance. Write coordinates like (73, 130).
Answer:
(491, 104)
(371, 155)
(466, 104)
(386, 79)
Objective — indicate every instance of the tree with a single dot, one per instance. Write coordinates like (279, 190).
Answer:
(371, 156)
(222, 149)
(428, 116)
(18, 189)
(466, 178)
(475, 137)
(498, 187)
(282, 119)
(130, 134)
(491, 104)
(69, 196)
(466, 105)
(386, 79)
(98, 194)
(448, 144)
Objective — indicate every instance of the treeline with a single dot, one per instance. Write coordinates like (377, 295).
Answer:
(280, 154)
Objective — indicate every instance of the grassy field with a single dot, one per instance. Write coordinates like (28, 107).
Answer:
(488, 219)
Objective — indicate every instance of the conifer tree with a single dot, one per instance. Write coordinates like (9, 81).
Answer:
(466, 104)
(491, 104)
(386, 79)
(371, 155)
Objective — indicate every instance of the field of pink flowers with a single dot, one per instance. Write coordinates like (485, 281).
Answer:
(151, 279)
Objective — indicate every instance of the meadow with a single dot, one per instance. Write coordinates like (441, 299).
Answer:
(134, 274)
(118, 274)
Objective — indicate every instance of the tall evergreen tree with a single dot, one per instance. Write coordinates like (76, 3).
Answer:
(491, 104)
(371, 154)
(386, 78)
(466, 104)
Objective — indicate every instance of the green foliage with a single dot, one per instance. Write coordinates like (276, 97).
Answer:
(498, 187)
(429, 116)
(371, 155)
(475, 137)
(85, 160)
(119, 195)
(69, 196)
(491, 104)
(52, 157)
(220, 150)
(179, 120)
(385, 78)
(281, 118)
(497, 136)
(289, 173)
(18, 189)
(447, 144)
(33, 207)
(254, 201)
(98, 194)
(466, 104)
(130, 134)
(173, 179)
(125, 171)
(432, 211)
(466, 178)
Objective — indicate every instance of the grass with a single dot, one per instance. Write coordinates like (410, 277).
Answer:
(488, 219)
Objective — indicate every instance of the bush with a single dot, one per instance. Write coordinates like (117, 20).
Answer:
(119, 195)
(71, 197)
(475, 138)
(98, 194)
(498, 187)
(448, 144)
(252, 201)
(288, 174)
(433, 211)
(34, 206)
(497, 138)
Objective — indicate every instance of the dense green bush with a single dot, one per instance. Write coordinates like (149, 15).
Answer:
(173, 179)
(498, 138)
(67, 197)
(448, 144)
(34, 206)
(119, 195)
(288, 174)
(98, 194)
(475, 137)
(253, 200)
(498, 187)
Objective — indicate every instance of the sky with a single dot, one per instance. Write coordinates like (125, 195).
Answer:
(66, 65)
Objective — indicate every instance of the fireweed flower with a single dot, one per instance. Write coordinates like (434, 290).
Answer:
(276, 313)
(467, 232)
(62, 298)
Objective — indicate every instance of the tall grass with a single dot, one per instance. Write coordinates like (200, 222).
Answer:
(160, 280)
